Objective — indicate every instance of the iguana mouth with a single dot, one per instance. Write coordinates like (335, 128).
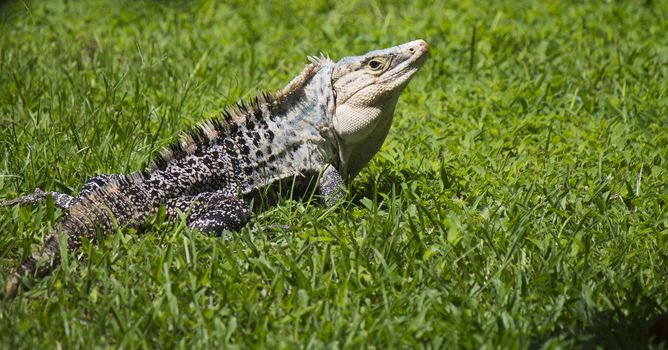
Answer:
(417, 51)
(409, 57)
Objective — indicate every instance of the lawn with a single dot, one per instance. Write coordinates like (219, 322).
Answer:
(520, 200)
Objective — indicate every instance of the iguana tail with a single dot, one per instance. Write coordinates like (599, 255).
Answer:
(51, 256)
(89, 214)
(81, 221)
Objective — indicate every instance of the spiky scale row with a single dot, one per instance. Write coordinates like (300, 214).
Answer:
(202, 174)
(212, 129)
(291, 140)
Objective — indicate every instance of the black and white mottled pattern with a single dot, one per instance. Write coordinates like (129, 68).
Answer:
(63, 200)
(210, 212)
(274, 145)
(208, 174)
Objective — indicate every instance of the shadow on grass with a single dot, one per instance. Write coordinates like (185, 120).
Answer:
(387, 183)
(645, 327)
(4, 4)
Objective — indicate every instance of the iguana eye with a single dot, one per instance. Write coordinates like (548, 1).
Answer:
(375, 64)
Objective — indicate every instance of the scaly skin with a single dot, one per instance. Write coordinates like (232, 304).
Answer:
(322, 128)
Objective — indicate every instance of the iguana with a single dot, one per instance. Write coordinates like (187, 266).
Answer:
(323, 128)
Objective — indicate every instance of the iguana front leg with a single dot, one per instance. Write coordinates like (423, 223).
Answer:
(331, 186)
(63, 200)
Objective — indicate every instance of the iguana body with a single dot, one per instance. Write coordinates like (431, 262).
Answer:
(323, 127)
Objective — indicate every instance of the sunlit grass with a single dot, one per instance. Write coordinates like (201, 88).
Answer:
(520, 200)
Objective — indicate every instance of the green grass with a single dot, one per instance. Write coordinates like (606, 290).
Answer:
(520, 201)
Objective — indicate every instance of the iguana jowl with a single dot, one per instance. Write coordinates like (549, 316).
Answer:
(325, 125)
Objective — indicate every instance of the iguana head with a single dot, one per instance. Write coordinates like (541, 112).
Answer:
(366, 89)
